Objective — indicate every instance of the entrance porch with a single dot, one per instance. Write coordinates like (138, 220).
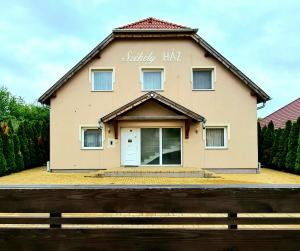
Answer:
(151, 129)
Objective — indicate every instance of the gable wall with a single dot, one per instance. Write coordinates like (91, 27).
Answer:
(230, 103)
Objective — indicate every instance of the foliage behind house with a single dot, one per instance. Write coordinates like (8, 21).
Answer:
(24, 134)
(280, 148)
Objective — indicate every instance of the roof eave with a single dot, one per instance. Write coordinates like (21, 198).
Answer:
(45, 98)
(181, 30)
(156, 97)
(261, 95)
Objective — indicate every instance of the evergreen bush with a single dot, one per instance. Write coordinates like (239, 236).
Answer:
(292, 146)
(297, 162)
(24, 145)
(283, 146)
(18, 154)
(274, 150)
(267, 142)
(8, 148)
(2, 159)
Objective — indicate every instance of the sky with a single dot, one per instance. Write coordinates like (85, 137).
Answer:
(40, 40)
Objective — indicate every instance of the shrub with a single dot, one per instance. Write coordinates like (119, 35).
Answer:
(297, 162)
(283, 146)
(31, 146)
(18, 155)
(24, 145)
(275, 148)
(268, 138)
(2, 159)
(8, 148)
(292, 146)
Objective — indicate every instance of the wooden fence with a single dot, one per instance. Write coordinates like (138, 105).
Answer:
(230, 200)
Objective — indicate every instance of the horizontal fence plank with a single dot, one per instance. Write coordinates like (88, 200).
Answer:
(151, 199)
(153, 220)
(148, 239)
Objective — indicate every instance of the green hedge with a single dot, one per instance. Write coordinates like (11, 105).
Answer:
(280, 148)
(24, 134)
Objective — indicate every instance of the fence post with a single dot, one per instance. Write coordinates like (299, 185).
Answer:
(232, 217)
(55, 216)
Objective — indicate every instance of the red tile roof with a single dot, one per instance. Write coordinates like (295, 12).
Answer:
(289, 112)
(151, 23)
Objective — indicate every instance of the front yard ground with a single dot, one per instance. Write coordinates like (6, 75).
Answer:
(40, 176)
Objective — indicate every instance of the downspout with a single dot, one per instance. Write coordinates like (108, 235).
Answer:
(258, 108)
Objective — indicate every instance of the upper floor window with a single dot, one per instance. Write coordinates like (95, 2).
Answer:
(152, 79)
(91, 138)
(202, 79)
(216, 137)
(102, 80)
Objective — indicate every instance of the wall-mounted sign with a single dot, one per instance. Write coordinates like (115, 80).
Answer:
(149, 57)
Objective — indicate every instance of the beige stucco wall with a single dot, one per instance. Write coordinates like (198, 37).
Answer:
(229, 104)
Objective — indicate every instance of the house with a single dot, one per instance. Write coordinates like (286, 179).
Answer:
(154, 93)
(290, 112)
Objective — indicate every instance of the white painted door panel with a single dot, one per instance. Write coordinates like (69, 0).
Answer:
(130, 146)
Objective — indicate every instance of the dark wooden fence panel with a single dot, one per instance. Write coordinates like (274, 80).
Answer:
(230, 200)
(147, 199)
(148, 239)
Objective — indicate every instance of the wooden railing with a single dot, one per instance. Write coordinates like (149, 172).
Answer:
(72, 233)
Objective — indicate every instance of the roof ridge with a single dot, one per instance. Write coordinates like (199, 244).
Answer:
(280, 108)
(149, 19)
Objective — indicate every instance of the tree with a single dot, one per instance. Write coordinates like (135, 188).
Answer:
(283, 146)
(18, 155)
(46, 140)
(292, 146)
(24, 145)
(275, 148)
(297, 162)
(2, 159)
(38, 143)
(8, 147)
(31, 146)
(267, 143)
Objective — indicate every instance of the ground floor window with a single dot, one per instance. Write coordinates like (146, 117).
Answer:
(216, 137)
(91, 138)
(160, 146)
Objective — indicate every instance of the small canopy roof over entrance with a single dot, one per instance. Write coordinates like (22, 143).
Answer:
(181, 112)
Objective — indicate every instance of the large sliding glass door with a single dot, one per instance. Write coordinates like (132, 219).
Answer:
(160, 146)
(150, 146)
(171, 146)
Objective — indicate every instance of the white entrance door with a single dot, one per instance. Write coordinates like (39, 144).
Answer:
(130, 146)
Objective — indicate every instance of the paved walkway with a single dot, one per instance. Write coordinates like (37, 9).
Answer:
(40, 176)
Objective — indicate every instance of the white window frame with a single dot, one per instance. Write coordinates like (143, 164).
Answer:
(81, 137)
(226, 136)
(152, 69)
(204, 68)
(91, 77)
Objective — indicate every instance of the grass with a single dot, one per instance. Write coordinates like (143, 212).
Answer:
(40, 176)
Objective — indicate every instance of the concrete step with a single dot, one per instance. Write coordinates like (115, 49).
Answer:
(176, 172)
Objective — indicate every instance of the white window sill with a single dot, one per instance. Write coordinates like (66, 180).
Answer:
(150, 90)
(102, 90)
(203, 90)
(91, 148)
(216, 148)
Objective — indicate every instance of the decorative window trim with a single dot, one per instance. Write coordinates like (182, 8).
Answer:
(81, 137)
(226, 128)
(91, 78)
(203, 68)
(152, 68)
